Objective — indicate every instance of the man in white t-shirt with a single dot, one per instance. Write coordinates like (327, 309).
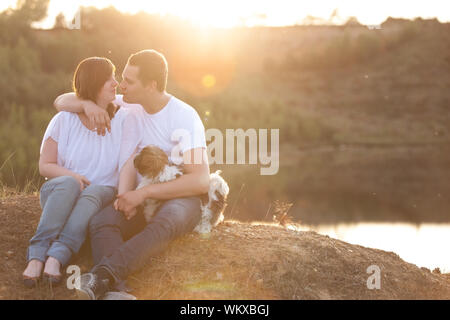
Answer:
(121, 240)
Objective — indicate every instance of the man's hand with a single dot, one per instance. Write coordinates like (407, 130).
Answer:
(127, 203)
(129, 214)
(98, 117)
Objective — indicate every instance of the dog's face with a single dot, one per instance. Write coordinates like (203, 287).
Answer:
(151, 161)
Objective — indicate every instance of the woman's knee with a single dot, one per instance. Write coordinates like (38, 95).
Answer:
(93, 195)
(98, 195)
(67, 183)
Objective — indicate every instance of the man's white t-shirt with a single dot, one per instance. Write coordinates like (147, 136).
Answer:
(85, 152)
(175, 129)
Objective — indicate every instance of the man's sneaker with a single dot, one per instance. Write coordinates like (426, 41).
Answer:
(91, 287)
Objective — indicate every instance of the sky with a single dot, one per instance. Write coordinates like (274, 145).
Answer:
(229, 13)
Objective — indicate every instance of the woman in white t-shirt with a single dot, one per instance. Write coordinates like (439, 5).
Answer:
(83, 171)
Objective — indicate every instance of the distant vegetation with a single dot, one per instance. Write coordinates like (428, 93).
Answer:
(306, 80)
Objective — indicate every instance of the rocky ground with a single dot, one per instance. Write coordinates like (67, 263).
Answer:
(236, 261)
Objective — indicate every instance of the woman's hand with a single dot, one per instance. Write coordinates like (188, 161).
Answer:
(84, 182)
(98, 117)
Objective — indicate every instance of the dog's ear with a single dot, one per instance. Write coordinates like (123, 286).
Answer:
(160, 160)
(221, 197)
(138, 161)
(143, 162)
(220, 204)
(217, 208)
(204, 198)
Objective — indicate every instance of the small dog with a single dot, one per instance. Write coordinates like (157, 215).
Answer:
(153, 164)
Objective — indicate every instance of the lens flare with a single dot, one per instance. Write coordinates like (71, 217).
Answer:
(208, 81)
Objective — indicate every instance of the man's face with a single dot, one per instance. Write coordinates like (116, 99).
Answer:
(131, 86)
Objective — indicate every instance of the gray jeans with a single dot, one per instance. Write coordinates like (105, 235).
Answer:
(66, 212)
(124, 246)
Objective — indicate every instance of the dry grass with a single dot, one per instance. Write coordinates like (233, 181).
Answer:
(236, 261)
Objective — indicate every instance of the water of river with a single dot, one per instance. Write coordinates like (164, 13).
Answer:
(423, 245)
(395, 199)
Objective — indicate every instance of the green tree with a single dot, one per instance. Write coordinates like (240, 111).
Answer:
(18, 20)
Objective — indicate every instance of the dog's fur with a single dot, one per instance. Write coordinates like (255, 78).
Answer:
(153, 164)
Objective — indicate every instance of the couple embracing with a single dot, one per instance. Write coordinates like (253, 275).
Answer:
(87, 155)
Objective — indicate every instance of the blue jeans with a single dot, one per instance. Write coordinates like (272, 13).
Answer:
(124, 246)
(66, 212)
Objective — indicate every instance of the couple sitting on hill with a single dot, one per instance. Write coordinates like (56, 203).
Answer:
(87, 154)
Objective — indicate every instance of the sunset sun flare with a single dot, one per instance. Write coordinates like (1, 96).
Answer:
(226, 14)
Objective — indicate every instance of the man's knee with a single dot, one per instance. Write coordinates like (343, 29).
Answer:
(180, 214)
(106, 217)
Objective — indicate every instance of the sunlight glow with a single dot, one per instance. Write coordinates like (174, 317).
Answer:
(209, 81)
(225, 14)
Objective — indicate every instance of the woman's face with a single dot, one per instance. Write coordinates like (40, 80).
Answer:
(108, 92)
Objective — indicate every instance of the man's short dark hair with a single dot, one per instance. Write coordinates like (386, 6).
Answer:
(152, 67)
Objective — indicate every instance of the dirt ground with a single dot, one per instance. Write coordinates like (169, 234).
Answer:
(236, 261)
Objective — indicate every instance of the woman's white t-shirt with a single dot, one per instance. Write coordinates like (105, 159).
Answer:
(98, 158)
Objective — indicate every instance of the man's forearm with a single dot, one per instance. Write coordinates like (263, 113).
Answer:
(98, 117)
(187, 185)
(69, 102)
(127, 179)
